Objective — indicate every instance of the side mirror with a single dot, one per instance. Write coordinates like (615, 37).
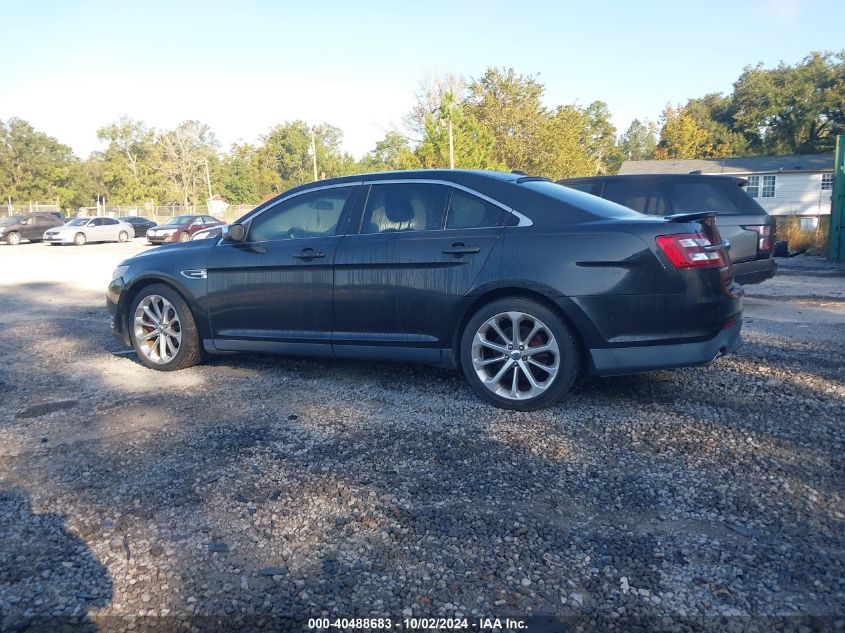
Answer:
(234, 233)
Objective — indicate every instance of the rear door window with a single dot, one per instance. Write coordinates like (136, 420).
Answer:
(645, 196)
(471, 212)
(393, 208)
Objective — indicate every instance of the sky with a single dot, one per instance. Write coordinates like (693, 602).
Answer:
(72, 66)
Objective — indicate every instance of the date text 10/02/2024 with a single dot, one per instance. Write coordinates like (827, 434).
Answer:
(477, 624)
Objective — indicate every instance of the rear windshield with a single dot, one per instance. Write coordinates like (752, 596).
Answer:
(725, 197)
(589, 203)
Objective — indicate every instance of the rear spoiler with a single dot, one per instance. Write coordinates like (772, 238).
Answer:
(698, 216)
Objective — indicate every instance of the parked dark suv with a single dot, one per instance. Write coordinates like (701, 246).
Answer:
(28, 226)
(520, 282)
(745, 225)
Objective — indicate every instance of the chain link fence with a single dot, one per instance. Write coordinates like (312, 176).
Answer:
(156, 213)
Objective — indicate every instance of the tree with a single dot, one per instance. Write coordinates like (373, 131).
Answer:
(601, 137)
(792, 109)
(184, 155)
(36, 167)
(391, 152)
(681, 136)
(473, 144)
(128, 171)
(714, 114)
(509, 106)
(638, 142)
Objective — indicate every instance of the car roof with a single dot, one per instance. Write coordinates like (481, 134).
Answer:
(663, 177)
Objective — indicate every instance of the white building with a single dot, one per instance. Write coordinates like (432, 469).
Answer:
(783, 185)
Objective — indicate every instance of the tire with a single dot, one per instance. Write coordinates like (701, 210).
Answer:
(123, 236)
(184, 237)
(490, 366)
(80, 239)
(13, 238)
(181, 345)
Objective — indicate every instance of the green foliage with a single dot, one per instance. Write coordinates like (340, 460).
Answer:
(792, 109)
(681, 136)
(497, 121)
(637, 142)
(36, 167)
(391, 152)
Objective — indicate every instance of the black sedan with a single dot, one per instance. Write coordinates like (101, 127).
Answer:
(141, 225)
(521, 283)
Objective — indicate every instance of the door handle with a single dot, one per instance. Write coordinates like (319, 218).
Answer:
(309, 253)
(459, 248)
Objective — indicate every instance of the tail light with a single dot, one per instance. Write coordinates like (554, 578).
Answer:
(691, 250)
(765, 236)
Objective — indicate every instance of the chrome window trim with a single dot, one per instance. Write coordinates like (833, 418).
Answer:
(523, 219)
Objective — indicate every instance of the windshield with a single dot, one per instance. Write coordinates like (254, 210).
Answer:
(12, 219)
(180, 219)
(78, 222)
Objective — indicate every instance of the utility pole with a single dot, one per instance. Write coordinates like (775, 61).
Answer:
(314, 152)
(836, 236)
(451, 145)
(207, 178)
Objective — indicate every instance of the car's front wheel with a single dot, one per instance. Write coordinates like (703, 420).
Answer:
(123, 236)
(13, 238)
(184, 237)
(518, 354)
(163, 330)
(79, 239)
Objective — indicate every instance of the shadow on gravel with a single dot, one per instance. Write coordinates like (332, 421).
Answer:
(357, 486)
(43, 564)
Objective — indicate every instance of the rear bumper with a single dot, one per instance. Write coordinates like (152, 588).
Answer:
(754, 272)
(629, 360)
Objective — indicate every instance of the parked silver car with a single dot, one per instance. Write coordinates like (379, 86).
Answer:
(80, 231)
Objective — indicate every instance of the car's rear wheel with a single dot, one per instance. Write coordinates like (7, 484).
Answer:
(518, 354)
(13, 238)
(184, 237)
(123, 236)
(79, 239)
(163, 330)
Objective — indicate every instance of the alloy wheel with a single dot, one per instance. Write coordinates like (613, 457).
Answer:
(14, 239)
(515, 355)
(158, 329)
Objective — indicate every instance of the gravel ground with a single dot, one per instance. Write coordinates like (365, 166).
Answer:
(254, 489)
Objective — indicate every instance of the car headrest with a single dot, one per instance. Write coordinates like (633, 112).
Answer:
(398, 208)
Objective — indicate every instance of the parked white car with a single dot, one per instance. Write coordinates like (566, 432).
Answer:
(80, 231)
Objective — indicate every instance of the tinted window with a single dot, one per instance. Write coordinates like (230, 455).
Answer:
(640, 195)
(577, 199)
(313, 214)
(724, 197)
(586, 187)
(109, 221)
(470, 212)
(404, 207)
